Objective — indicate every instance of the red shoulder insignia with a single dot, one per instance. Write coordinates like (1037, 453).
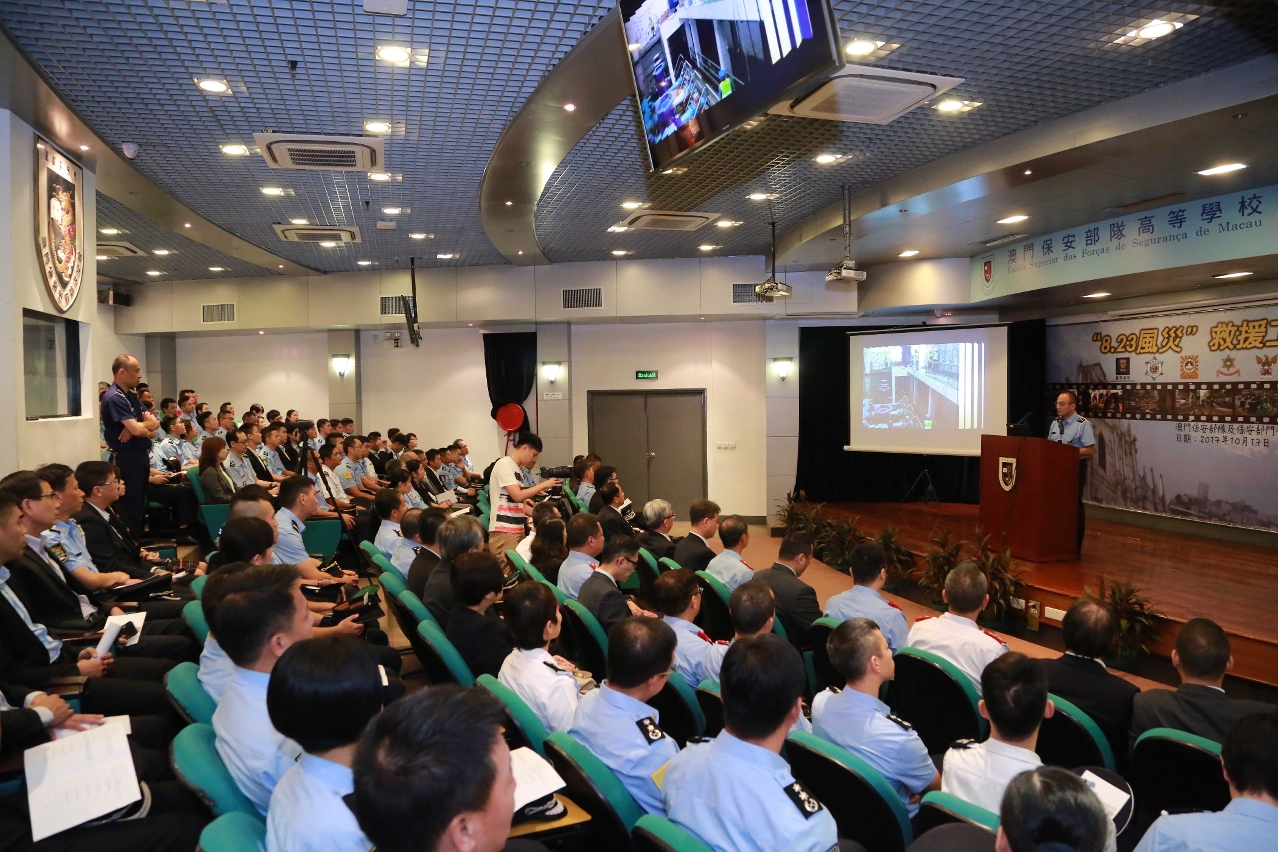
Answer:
(894, 606)
(722, 642)
(923, 618)
(992, 636)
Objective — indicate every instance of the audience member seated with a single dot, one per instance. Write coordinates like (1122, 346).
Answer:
(474, 627)
(955, 635)
(322, 694)
(64, 541)
(693, 552)
(609, 516)
(297, 504)
(1080, 677)
(261, 615)
(1051, 809)
(863, 600)
(658, 519)
(614, 721)
(548, 685)
(330, 456)
(585, 543)
(1015, 701)
(390, 507)
(1249, 823)
(409, 545)
(677, 597)
(736, 793)
(456, 536)
(853, 717)
(1199, 705)
(108, 538)
(428, 524)
(583, 473)
(400, 480)
(239, 466)
(350, 472)
(604, 475)
(216, 668)
(797, 605)
(214, 479)
(507, 493)
(601, 595)
(549, 548)
(729, 567)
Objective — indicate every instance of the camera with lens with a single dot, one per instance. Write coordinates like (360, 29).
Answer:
(563, 473)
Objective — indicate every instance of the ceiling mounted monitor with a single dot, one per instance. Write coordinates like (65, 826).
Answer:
(703, 67)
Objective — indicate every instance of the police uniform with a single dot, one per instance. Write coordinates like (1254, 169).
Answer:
(865, 726)
(573, 571)
(240, 470)
(1076, 431)
(549, 691)
(864, 602)
(740, 797)
(68, 536)
(271, 459)
(405, 552)
(309, 813)
(448, 475)
(289, 547)
(697, 656)
(958, 640)
(980, 772)
(347, 473)
(219, 432)
(320, 501)
(162, 451)
(388, 538)
(730, 569)
(188, 451)
(1245, 825)
(623, 732)
(216, 669)
(256, 755)
(414, 500)
(131, 456)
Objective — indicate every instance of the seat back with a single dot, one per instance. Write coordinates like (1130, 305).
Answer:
(939, 808)
(520, 564)
(591, 784)
(823, 671)
(369, 549)
(197, 764)
(1176, 772)
(779, 629)
(214, 516)
(234, 832)
(937, 699)
(711, 704)
(186, 693)
(647, 569)
(525, 721)
(384, 565)
(680, 712)
(193, 615)
(197, 585)
(443, 664)
(658, 834)
(955, 837)
(715, 618)
(668, 564)
(414, 605)
(589, 640)
(533, 573)
(193, 476)
(864, 805)
(322, 536)
(1071, 738)
(392, 584)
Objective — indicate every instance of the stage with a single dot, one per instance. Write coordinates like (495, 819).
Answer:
(1184, 576)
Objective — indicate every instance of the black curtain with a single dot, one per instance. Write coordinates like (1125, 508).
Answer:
(828, 473)
(510, 363)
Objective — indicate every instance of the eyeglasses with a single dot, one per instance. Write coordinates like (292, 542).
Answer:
(674, 667)
(52, 495)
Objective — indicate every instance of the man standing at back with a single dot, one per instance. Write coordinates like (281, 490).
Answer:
(693, 552)
(128, 433)
(508, 495)
(797, 605)
(869, 572)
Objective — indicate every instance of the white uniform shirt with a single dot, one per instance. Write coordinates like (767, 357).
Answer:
(524, 548)
(980, 772)
(256, 755)
(548, 690)
(730, 569)
(216, 669)
(307, 811)
(958, 640)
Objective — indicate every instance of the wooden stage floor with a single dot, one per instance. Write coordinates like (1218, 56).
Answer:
(1185, 576)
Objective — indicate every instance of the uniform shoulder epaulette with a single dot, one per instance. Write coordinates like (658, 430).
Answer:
(554, 667)
(399, 533)
(923, 618)
(417, 551)
(648, 727)
(807, 803)
(961, 744)
(904, 724)
(992, 636)
(296, 528)
(1082, 419)
(894, 606)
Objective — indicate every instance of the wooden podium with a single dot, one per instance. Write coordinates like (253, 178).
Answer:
(1037, 514)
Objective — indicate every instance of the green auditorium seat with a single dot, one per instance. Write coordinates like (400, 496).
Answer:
(187, 694)
(1176, 772)
(525, 722)
(197, 764)
(936, 698)
(939, 808)
(233, 832)
(715, 617)
(193, 615)
(444, 664)
(1071, 738)
(658, 834)
(591, 784)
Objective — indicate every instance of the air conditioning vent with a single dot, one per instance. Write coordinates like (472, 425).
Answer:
(744, 294)
(318, 233)
(321, 153)
(225, 312)
(583, 297)
(119, 249)
(667, 220)
(865, 96)
(393, 306)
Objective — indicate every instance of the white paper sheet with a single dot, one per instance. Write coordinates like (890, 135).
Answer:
(112, 629)
(534, 776)
(121, 721)
(1112, 798)
(74, 780)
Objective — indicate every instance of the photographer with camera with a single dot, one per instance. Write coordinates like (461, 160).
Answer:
(511, 499)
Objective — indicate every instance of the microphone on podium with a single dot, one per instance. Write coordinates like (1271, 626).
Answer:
(1060, 427)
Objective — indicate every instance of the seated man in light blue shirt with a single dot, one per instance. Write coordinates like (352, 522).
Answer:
(677, 596)
(585, 543)
(390, 507)
(584, 472)
(737, 793)
(297, 504)
(1249, 823)
(857, 720)
(869, 572)
(262, 614)
(216, 668)
(272, 436)
(728, 567)
(410, 546)
(614, 721)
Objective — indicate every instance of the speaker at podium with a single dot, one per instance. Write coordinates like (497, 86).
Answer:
(1029, 497)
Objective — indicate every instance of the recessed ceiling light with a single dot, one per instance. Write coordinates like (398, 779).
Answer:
(161, 252)
(186, 224)
(213, 86)
(950, 105)
(329, 244)
(826, 159)
(908, 253)
(1232, 275)
(110, 232)
(272, 190)
(84, 147)
(421, 236)
(726, 223)
(392, 211)
(509, 203)
(1158, 28)
(758, 196)
(521, 252)
(377, 126)
(445, 256)
(102, 257)
(617, 229)
(300, 221)
(364, 262)
(378, 176)
(860, 47)
(631, 205)
(235, 150)
(393, 53)
(217, 269)
(281, 266)
(1221, 170)
(261, 332)
(707, 247)
(1098, 295)
(1028, 172)
(570, 107)
(619, 252)
(1012, 220)
(154, 272)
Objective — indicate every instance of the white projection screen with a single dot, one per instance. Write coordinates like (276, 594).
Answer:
(932, 390)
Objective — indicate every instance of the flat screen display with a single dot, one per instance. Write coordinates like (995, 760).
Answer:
(702, 67)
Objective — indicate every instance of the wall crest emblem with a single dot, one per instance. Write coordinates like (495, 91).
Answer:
(59, 224)
(1007, 472)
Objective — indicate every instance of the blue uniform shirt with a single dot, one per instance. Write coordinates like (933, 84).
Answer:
(414, 500)
(585, 491)
(388, 538)
(1078, 432)
(347, 473)
(51, 645)
(622, 732)
(697, 657)
(864, 602)
(256, 755)
(216, 669)
(1245, 825)
(574, 571)
(730, 569)
(308, 813)
(162, 450)
(271, 459)
(404, 554)
(69, 536)
(289, 547)
(119, 405)
(240, 470)
(739, 797)
(448, 475)
(860, 723)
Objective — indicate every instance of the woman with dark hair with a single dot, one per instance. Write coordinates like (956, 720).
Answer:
(216, 482)
(322, 694)
(474, 629)
(290, 417)
(550, 548)
(290, 451)
(547, 684)
(248, 540)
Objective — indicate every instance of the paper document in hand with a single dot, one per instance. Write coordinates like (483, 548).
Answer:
(74, 780)
(535, 778)
(122, 721)
(112, 629)
(1112, 798)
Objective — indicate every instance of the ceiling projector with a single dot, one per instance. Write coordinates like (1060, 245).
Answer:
(773, 289)
(845, 271)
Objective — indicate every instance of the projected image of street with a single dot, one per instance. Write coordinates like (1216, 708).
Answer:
(923, 386)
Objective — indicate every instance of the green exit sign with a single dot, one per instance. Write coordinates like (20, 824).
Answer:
(645, 374)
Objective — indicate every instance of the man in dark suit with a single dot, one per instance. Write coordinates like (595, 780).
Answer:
(456, 536)
(424, 563)
(1080, 677)
(1200, 705)
(797, 605)
(658, 518)
(692, 551)
(600, 594)
(609, 516)
(110, 543)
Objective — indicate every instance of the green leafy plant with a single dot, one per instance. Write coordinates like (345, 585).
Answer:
(900, 559)
(1000, 575)
(1137, 617)
(798, 516)
(938, 562)
(837, 541)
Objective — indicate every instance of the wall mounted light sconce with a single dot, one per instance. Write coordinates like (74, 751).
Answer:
(552, 372)
(782, 366)
(342, 363)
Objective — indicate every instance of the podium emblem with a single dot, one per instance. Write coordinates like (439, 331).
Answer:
(1007, 473)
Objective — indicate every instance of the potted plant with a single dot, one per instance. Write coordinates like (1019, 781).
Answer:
(938, 562)
(837, 541)
(1137, 621)
(1002, 580)
(900, 559)
(799, 517)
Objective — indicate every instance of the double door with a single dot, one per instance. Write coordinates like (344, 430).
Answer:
(656, 440)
